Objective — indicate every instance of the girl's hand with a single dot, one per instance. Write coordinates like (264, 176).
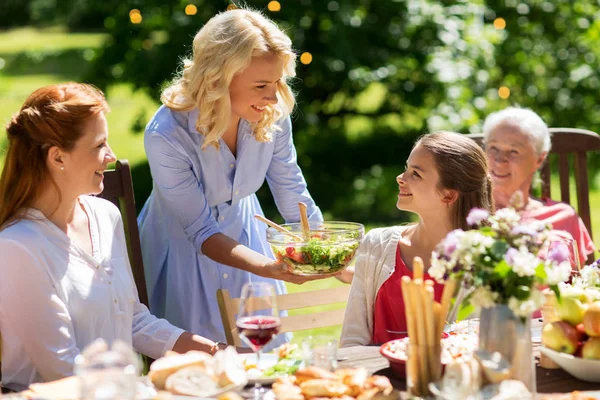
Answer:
(345, 275)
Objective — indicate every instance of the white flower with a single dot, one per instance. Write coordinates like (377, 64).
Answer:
(437, 269)
(507, 215)
(483, 297)
(590, 275)
(516, 200)
(522, 261)
(527, 307)
(557, 273)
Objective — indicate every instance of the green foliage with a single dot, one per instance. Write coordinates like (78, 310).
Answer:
(383, 73)
(376, 81)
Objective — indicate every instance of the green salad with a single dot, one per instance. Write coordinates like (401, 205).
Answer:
(318, 255)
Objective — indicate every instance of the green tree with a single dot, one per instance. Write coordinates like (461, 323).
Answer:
(384, 72)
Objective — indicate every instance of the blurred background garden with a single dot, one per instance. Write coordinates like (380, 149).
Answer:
(372, 76)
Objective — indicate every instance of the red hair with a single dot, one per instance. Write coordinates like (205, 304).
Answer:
(51, 116)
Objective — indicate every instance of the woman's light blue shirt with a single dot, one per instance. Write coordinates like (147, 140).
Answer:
(198, 193)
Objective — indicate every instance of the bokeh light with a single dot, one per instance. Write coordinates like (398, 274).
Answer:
(191, 9)
(500, 23)
(135, 16)
(306, 58)
(274, 6)
(504, 92)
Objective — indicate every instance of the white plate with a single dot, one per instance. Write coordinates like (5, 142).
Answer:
(266, 361)
(580, 368)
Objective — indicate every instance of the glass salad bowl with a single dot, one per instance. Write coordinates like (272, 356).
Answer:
(329, 249)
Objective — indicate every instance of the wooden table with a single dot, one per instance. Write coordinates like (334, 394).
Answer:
(548, 380)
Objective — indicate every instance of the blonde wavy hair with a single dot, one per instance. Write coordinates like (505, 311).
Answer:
(221, 49)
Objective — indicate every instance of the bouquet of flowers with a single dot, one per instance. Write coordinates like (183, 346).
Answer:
(502, 260)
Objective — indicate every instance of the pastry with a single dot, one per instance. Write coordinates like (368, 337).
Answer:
(324, 388)
(308, 373)
(287, 391)
(355, 379)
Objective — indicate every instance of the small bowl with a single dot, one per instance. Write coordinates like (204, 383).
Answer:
(331, 248)
(397, 362)
(454, 346)
(580, 368)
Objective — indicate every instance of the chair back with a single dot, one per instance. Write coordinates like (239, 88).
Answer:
(229, 308)
(118, 189)
(566, 143)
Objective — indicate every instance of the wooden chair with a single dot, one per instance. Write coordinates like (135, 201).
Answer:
(566, 142)
(229, 307)
(118, 189)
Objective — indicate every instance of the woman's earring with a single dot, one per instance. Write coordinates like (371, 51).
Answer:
(62, 167)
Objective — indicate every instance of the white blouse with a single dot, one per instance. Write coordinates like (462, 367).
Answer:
(55, 298)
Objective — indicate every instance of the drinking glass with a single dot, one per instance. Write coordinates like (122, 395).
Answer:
(258, 320)
(320, 351)
(560, 243)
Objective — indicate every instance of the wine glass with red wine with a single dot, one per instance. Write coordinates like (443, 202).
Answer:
(258, 320)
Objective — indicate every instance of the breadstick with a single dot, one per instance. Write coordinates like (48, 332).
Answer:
(416, 289)
(412, 363)
(447, 295)
(430, 323)
(418, 268)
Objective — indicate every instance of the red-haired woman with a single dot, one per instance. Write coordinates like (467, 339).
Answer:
(66, 278)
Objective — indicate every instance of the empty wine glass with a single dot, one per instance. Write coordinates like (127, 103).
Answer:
(258, 320)
(563, 246)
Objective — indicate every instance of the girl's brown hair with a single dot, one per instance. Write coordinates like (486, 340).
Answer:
(462, 166)
(51, 116)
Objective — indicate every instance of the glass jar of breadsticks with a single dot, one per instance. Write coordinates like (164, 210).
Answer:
(425, 320)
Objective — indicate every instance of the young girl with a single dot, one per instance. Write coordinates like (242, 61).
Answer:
(223, 129)
(446, 176)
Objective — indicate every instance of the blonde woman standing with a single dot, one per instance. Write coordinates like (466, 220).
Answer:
(223, 128)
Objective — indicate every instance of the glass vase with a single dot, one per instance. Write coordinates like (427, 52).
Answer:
(500, 330)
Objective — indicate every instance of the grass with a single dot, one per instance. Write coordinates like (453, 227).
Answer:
(50, 39)
(31, 58)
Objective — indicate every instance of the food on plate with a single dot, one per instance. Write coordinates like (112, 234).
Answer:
(190, 381)
(230, 396)
(330, 248)
(198, 374)
(309, 373)
(561, 336)
(455, 347)
(591, 349)
(355, 379)
(172, 362)
(288, 361)
(591, 319)
(571, 309)
(289, 350)
(578, 313)
(346, 384)
(569, 396)
(324, 388)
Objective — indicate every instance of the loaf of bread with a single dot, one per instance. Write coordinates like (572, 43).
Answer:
(162, 368)
(192, 381)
